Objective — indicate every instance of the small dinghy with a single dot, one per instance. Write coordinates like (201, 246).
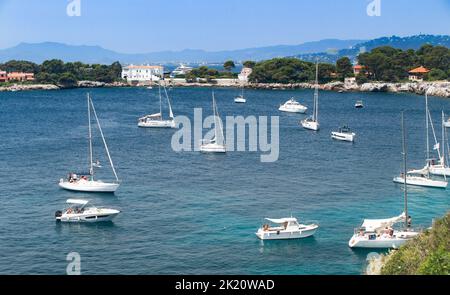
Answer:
(82, 211)
(286, 228)
(293, 106)
(359, 104)
(344, 134)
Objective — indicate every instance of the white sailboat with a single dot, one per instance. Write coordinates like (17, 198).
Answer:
(312, 123)
(434, 166)
(240, 98)
(157, 120)
(217, 144)
(379, 233)
(85, 182)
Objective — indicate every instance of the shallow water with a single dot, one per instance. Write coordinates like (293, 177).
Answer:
(190, 213)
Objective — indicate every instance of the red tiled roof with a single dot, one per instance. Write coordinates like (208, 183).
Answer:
(419, 70)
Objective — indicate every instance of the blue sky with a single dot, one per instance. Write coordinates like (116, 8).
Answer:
(134, 26)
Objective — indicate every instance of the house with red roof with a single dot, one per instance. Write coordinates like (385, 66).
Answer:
(417, 74)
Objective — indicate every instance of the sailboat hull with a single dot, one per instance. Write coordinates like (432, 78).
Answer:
(421, 181)
(89, 186)
(157, 124)
(381, 242)
(213, 148)
(240, 100)
(310, 125)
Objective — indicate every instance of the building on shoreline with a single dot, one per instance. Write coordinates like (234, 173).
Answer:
(245, 73)
(417, 74)
(3, 76)
(142, 73)
(20, 77)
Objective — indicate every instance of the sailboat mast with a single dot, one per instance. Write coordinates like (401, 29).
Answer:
(104, 141)
(316, 94)
(215, 117)
(160, 100)
(443, 141)
(426, 122)
(405, 169)
(91, 167)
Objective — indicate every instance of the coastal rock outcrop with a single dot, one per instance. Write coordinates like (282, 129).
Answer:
(24, 87)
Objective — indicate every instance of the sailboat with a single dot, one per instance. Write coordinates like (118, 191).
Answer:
(379, 233)
(312, 123)
(240, 98)
(85, 182)
(217, 144)
(433, 166)
(157, 120)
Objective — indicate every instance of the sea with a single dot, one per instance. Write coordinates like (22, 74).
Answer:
(184, 212)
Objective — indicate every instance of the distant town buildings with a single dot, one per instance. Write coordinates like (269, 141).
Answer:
(245, 73)
(15, 77)
(417, 74)
(142, 73)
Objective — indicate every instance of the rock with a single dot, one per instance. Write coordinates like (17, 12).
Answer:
(26, 87)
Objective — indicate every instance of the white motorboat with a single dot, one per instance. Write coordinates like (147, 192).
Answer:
(286, 228)
(359, 104)
(157, 120)
(85, 182)
(217, 144)
(82, 211)
(293, 106)
(344, 134)
(240, 98)
(447, 123)
(433, 166)
(420, 180)
(312, 123)
(379, 233)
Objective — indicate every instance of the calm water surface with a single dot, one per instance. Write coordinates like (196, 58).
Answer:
(189, 213)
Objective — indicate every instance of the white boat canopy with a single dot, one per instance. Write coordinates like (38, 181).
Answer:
(282, 220)
(374, 224)
(77, 202)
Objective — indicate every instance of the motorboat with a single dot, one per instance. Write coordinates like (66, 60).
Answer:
(217, 144)
(157, 120)
(359, 104)
(312, 123)
(286, 228)
(293, 106)
(83, 211)
(86, 182)
(344, 134)
(380, 233)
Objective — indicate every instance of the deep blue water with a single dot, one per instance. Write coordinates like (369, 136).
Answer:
(190, 213)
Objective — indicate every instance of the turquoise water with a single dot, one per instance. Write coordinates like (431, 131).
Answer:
(189, 213)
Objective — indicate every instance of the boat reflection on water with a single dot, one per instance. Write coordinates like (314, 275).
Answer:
(286, 247)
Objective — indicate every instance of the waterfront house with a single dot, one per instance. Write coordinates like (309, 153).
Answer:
(245, 73)
(358, 69)
(3, 76)
(142, 73)
(20, 77)
(417, 74)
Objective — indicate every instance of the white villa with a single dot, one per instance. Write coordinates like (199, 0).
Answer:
(245, 73)
(142, 73)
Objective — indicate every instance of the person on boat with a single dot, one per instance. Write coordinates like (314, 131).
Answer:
(409, 222)
(266, 227)
(391, 232)
(285, 225)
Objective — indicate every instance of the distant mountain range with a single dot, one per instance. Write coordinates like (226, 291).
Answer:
(38, 52)
(326, 50)
(411, 42)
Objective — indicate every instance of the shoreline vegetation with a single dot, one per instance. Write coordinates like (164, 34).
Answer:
(383, 69)
(428, 254)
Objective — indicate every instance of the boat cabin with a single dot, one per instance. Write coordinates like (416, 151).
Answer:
(282, 224)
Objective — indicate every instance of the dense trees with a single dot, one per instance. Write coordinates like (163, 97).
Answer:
(344, 68)
(229, 65)
(66, 74)
(249, 64)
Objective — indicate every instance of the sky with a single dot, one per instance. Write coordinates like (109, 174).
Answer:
(140, 26)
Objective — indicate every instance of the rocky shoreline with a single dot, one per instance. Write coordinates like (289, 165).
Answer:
(441, 88)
